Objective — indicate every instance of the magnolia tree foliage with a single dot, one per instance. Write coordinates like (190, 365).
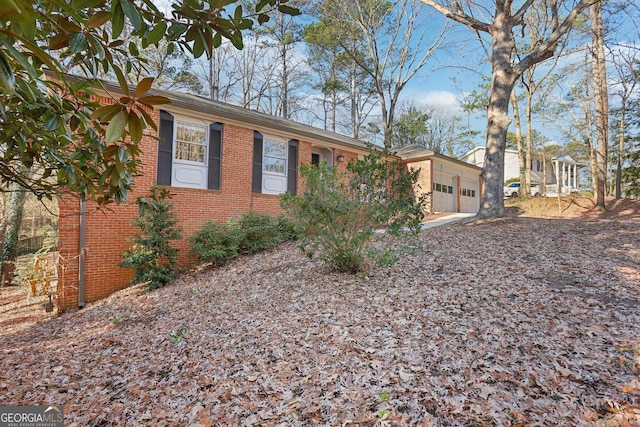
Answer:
(339, 213)
(48, 123)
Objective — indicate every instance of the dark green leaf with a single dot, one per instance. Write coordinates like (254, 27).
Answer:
(148, 119)
(18, 56)
(176, 30)
(198, 45)
(154, 100)
(132, 13)
(135, 128)
(116, 127)
(288, 10)
(106, 113)
(86, 4)
(121, 79)
(7, 78)
(77, 43)
(117, 20)
(217, 40)
(236, 40)
(52, 123)
(156, 33)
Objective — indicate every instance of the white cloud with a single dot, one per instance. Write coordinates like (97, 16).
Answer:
(438, 98)
(441, 98)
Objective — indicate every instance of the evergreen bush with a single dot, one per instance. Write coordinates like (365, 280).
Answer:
(259, 232)
(153, 259)
(216, 243)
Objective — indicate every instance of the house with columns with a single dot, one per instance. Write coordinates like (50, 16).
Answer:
(557, 174)
(565, 170)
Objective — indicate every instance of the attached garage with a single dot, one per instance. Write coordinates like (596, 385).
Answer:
(455, 186)
(444, 190)
(469, 195)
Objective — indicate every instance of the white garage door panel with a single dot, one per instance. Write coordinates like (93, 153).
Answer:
(443, 199)
(469, 196)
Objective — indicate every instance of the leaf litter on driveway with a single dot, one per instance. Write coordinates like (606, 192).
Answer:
(518, 321)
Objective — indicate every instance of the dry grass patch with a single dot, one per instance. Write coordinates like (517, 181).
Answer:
(575, 207)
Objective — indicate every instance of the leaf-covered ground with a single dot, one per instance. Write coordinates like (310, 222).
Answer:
(517, 321)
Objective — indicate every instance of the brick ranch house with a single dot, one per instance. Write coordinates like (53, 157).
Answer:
(217, 160)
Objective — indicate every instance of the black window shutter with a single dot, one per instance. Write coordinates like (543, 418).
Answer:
(165, 149)
(292, 178)
(256, 179)
(215, 156)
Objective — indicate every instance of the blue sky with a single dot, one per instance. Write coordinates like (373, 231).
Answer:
(455, 72)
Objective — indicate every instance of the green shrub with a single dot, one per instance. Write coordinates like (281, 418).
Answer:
(259, 232)
(286, 228)
(216, 243)
(152, 258)
(339, 213)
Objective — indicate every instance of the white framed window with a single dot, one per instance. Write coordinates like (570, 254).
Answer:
(191, 142)
(190, 153)
(275, 151)
(274, 157)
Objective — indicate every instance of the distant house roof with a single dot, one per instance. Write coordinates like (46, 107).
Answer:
(565, 158)
(416, 153)
(476, 155)
(242, 116)
(483, 148)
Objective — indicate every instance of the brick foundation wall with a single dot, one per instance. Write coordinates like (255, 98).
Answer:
(108, 233)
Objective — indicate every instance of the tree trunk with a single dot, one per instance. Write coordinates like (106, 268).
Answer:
(516, 120)
(334, 100)
(623, 108)
(9, 251)
(355, 131)
(285, 82)
(385, 116)
(601, 103)
(527, 153)
(502, 82)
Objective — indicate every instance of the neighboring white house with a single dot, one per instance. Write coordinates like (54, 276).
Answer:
(511, 165)
(563, 165)
(455, 186)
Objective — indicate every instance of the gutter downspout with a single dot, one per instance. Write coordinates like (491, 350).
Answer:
(81, 267)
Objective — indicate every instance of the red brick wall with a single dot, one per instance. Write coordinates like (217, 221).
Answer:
(107, 236)
(425, 179)
(342, 166)
(108, 233)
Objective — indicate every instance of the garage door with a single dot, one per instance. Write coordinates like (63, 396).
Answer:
(469, 196)
(444, 192)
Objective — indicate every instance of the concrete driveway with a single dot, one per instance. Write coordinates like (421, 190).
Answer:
(454, 217)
